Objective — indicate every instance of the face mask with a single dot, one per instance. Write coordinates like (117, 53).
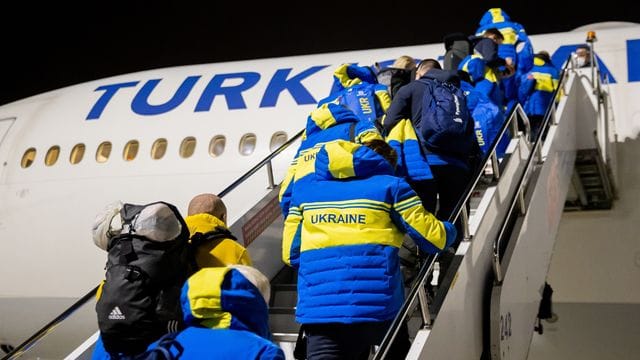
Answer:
(581, 61)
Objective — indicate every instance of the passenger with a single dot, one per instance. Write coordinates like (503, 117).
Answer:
(400, 73)
(451, 174)
(516, 49)
(482, 68)
(343, 233)
(404, 62)
(214, 243)
(536, 90)
(328, 122)
(357, 88)
(583, 56)
(226, 313)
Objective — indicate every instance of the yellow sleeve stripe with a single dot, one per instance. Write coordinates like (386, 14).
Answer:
(407, 201)
(402, 131)
(426, 225)
(289, 232)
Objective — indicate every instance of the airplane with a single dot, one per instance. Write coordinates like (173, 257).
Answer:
(171, 133)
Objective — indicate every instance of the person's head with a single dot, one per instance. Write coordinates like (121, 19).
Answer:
(583, 55)
(494, 34)
(425, 65)
(404, 62)
(208, 204)
(544, 56)
(234, 297)
(383, 149)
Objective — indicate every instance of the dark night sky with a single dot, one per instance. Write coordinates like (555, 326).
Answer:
(45, 47)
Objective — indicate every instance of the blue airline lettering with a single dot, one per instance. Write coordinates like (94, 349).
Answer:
(109, 91)
(633, 59)
(279, 83)
(233, 94)
(140, 104)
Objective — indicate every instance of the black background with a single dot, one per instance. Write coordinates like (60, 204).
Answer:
(48, 46)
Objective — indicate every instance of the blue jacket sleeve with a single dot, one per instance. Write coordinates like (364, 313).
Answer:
(399, 109)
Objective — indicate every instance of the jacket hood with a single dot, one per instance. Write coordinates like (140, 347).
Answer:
(328, 115)
(203, 223)
(342, 160)
(347, 75)
(450, 76)
(233, 297)
(494, 15)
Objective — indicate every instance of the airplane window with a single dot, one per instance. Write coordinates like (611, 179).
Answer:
(77, 153)
(247, 144)
(216, 146)
(277, 140)
(158, 149)
(52, 155)
(103, 152)
(187, 147)
(130, 150)
(28, 157)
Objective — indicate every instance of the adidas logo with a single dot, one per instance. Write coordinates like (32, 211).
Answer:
(116, 314)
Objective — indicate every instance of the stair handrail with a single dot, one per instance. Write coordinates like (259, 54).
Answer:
(417, 289)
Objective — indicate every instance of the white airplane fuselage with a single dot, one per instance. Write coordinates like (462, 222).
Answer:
(46, 212)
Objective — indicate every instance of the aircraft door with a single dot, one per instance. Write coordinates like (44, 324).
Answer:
(5, 125)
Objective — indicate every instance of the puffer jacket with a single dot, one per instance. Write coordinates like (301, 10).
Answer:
(328, 122)
(343, 232)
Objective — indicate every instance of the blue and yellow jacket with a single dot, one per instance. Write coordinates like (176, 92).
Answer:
(328, 122)
(357, 88)
(537, 87)
(483, 78)
(344, 229)
(516, 41)
(226, 317)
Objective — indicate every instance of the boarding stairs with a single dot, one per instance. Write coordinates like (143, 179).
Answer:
(486, 306)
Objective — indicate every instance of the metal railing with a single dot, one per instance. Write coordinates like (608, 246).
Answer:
(417, 291)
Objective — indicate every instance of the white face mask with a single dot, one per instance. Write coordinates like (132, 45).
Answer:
(581, 61)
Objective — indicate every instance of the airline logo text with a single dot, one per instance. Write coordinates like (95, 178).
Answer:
(282, 80)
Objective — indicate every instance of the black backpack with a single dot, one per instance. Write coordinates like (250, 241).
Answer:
(457, 46)
(146, 267)
(395, 78)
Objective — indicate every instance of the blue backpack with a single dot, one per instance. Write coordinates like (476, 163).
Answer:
(362, 100)
(446, 126)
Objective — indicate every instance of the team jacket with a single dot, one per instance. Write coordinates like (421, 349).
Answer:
(344, 228)
(328, 122)
(223, 250)
(226, 317)
(537, 87)
(349, 80)
(483, 77)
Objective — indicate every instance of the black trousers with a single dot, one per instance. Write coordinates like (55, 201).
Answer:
(352, 341)
(443, 192)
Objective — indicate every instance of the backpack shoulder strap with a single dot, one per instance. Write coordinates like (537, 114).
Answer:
(162, 351)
